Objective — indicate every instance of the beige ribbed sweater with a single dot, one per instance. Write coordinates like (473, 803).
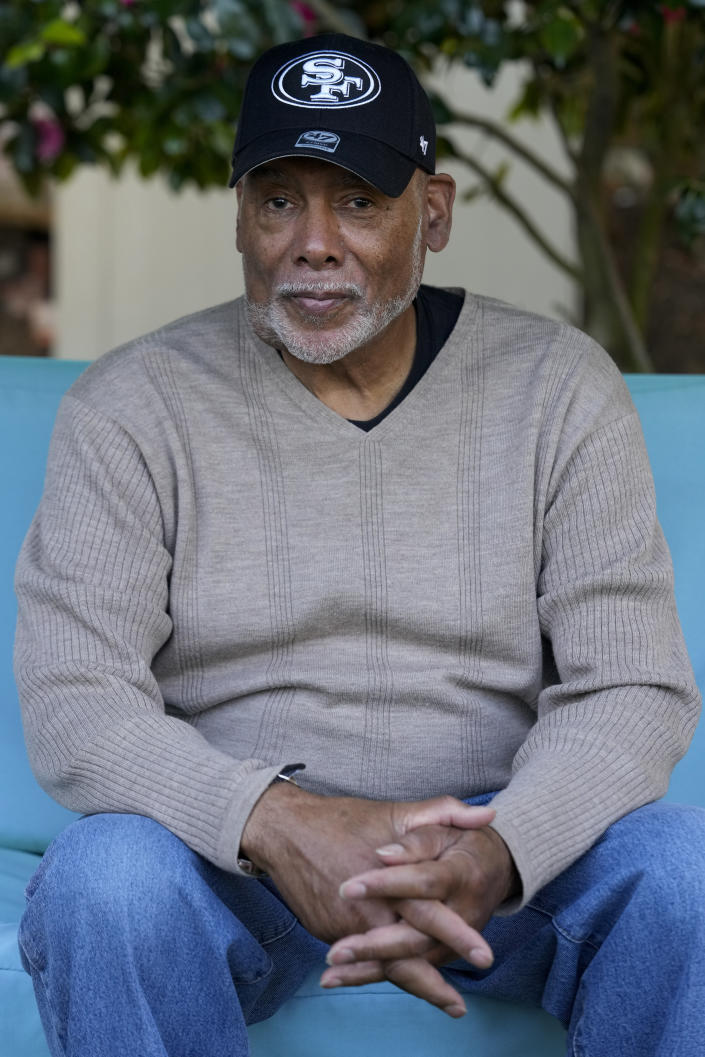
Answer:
(225, 576)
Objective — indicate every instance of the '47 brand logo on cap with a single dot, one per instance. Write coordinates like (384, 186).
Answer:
(320, 140)
(326, 79)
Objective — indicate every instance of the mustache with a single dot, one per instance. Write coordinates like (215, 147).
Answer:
(320, 289)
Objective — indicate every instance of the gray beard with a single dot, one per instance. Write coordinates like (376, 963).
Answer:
(270, 321)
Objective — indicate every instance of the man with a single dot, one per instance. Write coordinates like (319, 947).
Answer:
(404, 535)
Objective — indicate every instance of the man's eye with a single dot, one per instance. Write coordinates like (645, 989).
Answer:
(360, 202)
(278, 202)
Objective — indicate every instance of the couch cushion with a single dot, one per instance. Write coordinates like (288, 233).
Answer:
(30, 391)
(379, 1019)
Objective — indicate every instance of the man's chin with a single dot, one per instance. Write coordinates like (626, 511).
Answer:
(315, 340)
(316, 348)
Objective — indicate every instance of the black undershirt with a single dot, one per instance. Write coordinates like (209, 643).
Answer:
(437, 312)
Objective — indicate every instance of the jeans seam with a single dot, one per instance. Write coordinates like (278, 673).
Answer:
(575, 1046)
(561, 930)
(47, 998)
(280, 935)
(582, 940)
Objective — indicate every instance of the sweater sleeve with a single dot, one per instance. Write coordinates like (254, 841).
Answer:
(92, 586)
(622, 705)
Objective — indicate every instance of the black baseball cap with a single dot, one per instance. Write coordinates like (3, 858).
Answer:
(342, 100)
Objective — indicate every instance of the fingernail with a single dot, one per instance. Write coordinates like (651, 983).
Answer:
(391, 849)
(481, 958)
(455, 1010)
(341, 956)
(353, 889)
(330, 981)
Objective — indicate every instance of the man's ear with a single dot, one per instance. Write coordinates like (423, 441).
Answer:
(440, 195)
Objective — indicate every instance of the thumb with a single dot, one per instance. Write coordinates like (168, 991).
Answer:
(442, 811)
(419, 845)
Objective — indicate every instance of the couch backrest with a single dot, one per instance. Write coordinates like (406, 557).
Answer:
(30, 391)
(672, 409)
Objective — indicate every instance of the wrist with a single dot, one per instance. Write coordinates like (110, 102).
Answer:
(259, 840)
(511, 881)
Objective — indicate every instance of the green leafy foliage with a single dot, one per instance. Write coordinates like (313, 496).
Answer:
(155, 81)
(161, 80)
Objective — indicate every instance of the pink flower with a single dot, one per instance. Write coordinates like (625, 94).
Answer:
(50, 139)
(307, 15)
(672, 14)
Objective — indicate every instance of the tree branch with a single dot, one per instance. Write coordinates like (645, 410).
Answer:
(525, 153)
(570, 151)
(601, 110)
(615, 286)
(521, 216)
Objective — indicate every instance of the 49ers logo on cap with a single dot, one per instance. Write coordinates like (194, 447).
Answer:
(326, 79)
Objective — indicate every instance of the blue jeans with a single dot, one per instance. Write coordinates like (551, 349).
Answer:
(136, 945)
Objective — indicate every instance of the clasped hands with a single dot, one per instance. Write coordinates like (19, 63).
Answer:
(398, 888)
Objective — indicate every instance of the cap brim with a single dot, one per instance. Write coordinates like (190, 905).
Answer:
(377, 164)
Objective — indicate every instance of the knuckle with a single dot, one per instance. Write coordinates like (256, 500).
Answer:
(447, 802)
(427, 884)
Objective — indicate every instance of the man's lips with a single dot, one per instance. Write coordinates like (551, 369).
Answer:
(319, 303)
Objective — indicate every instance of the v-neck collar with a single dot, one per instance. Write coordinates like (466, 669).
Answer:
(323, 417)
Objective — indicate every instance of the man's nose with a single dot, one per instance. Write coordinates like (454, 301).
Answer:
(319, 241)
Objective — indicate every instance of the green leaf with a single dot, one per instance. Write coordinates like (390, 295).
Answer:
(473, 193)
(561, 36)
(176, 179)
(207, 108)
(500, 174)
(65, 165)
(173, 146)
(445, 148)
(27, 51)
(529, 102)
(63, 33)
(199, 34)
(281, 17)
(690, 212)
(149, 162)
(442, 112)
(23, 150)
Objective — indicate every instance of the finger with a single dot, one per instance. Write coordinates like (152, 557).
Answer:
(426, 923)
(354, 975)
(421, 979)
(400, 940)
(419, 880)
(426, 842)
(443, 811)
(441, 923)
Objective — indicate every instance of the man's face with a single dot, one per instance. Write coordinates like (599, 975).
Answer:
(329, 261)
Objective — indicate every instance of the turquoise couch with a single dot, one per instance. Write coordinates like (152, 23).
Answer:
(377, 1020)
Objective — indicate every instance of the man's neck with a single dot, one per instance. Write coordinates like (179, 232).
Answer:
(364, 382)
